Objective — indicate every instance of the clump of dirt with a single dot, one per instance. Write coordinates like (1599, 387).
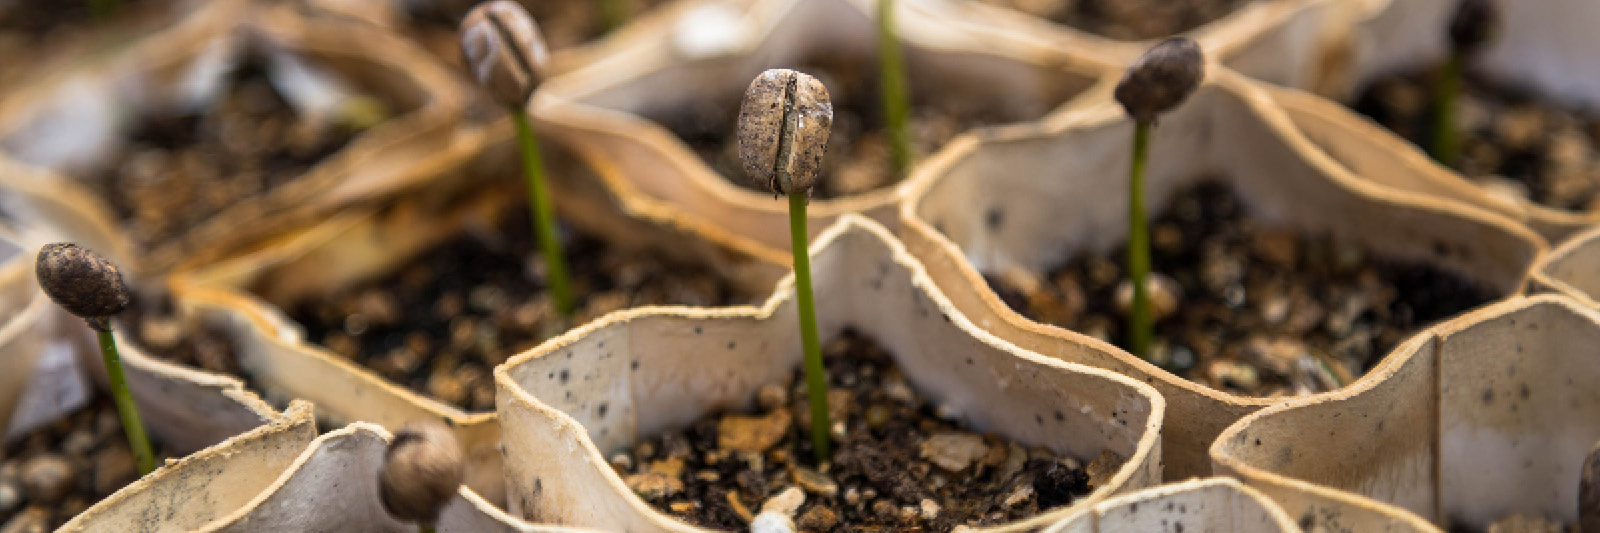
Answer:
(896, 463)
(1247, 308)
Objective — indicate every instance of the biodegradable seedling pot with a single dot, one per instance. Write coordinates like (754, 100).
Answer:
(1484, 416)
(1541, 46)
(1215, 504)
(332, 485)
(1029, 196)
(568, 404)
(1570, 269)
(705, 53)
(72, 126)
(189, 492)
(43, 379)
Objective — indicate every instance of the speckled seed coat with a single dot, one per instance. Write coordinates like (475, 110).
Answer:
(81, 282)
(504, 50)
(783, 130)
(1161, 79)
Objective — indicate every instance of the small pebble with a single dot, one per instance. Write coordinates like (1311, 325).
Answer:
(46, 478)
(771, 396)
(930, 509)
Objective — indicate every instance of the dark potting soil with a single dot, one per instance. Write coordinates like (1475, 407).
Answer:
(152, 322)
(1510, 139)
(1255, 310)
(55, 473)
(1127, 20)
(897, 465)
(857, 159)
(179, 170)
(441, 323)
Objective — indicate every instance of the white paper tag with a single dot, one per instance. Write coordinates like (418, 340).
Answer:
(58, 387)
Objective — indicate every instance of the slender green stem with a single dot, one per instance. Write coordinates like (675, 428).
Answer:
(1140, 327)
(816, 376)
(125, 406)
(1446, 146)
(612, 15)
(544, 216)
(892, 86)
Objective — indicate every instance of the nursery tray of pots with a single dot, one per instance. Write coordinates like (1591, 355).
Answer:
(1024, 200)
(1483, 418)
(688, 65)
(207, 137)
(571, 405)
(1212, 504)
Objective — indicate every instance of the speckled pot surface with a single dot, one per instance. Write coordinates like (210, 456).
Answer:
(1214, 504)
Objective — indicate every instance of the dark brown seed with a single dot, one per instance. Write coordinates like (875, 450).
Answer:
(1161, 79)
(1474, 24)
(81, 282)
(502, 47)
(783, 130)
(421, 472)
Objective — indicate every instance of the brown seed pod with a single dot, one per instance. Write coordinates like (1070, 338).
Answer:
(1474, 24)
(81, 282)
(783, 130)
(421, 471)
(502, 47)
(1161, 79)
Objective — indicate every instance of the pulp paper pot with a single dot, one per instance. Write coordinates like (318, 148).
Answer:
(1030, 197)
(1543, 46)
(1484, 416)
(73, 126)
(706, 53)
(187, 493)
(332, 485)
(575, 400)
(1215, 504)
(1573, 269)
(42, 380)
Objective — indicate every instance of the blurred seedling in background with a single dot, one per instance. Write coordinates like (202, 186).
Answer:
(892, 89)
(1473, 26)
(422, 470)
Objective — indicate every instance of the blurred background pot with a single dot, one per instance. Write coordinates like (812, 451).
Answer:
(1214, 504)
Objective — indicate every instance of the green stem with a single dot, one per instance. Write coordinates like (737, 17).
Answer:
(1140, 327)
(816, 377)
(544, 217)
(1446, 146)
(892, 85)
(612, 15)
(125, 406)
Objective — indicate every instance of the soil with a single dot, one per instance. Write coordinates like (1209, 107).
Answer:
(896, 464)
(55, 473)
(1254, 310)
(1512, 141)
(151, 321)
(857, 159)
(440, 324)
(178, 170)
(1127, 20)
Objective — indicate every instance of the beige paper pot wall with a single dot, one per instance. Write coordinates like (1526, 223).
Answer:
(192, 491)
(42, 46)
(1215, 504)
(43, 380)
(1541, 46)
(332, 74)
(573, 401)
(1030, 197)
(1573, 269)
(333, 486)
(698, 57)
(1484, 416)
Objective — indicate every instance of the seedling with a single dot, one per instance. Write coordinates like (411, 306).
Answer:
(783, 134)
(1474, 24)
(1160, 80)
(892, 89)
(90, 287)
(422, 469)
(506, 53)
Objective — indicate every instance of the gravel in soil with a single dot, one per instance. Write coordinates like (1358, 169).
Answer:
(1246, 308)
(1127, 20)
(55, 473)
(441, 323)
(857, 159)
(179, 169)
(1512, 141)
(896, 464)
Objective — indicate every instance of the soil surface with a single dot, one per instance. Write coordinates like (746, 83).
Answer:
(1127, 20)
(55, 473)
(1248, 309)
(857, 159)
(1512, 141)
(179, 170)
(440, 324)
(896, 465)
(152, 322)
